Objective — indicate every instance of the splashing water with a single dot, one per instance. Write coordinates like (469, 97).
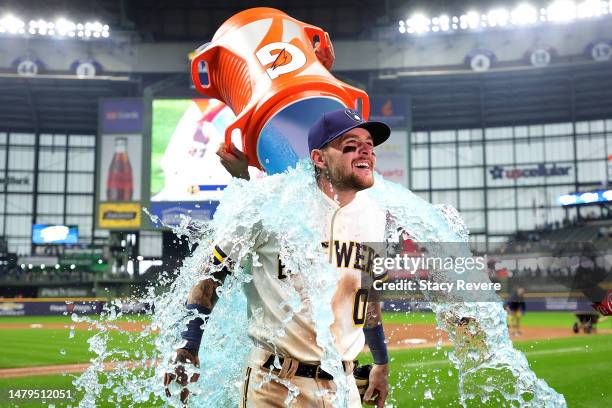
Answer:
(490, 369)
(286, 206)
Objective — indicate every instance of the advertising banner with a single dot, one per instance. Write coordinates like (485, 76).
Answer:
(392, 156)
(119, 215)
(62, 292)
(119, 191)
(29, 308)
(121, 116)
(171, 213)
(538, 171)
(393, 110)
(120, 167)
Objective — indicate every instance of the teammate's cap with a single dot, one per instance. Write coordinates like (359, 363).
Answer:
(334, 124)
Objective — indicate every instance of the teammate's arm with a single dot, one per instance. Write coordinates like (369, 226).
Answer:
(378, 388)
(326, 56)
(234, 161)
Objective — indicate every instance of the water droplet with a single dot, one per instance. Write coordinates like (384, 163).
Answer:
(62, 352)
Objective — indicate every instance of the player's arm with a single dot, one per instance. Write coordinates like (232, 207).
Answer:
(378, 387)
(202, 298)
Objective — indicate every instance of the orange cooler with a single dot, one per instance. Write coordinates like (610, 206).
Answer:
(261, 63)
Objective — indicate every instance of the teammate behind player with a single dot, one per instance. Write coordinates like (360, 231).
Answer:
(341, 145)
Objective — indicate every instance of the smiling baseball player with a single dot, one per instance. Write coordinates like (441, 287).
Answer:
(341, 147)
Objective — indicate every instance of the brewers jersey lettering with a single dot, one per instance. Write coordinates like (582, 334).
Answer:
(344, 232)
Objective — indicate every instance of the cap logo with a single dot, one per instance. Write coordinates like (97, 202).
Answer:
(353, 115)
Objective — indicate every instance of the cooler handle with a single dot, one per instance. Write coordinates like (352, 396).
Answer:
(358, 94)
(206, 55)
(312, 31)
(240, 124)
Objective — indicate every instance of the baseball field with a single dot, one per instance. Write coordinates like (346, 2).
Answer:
(44, 353)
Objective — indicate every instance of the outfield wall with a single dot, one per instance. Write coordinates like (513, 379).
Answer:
(63, 306)
(59, 306)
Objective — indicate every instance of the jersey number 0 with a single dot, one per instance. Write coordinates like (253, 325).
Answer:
(359, 308)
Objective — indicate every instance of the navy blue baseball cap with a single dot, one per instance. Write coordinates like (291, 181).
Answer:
(336, 123)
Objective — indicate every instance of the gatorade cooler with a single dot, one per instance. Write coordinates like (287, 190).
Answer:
(261, 63)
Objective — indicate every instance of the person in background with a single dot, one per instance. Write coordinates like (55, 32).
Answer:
(515, 306)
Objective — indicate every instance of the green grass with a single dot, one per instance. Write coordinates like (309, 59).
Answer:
(68, 320)
(530, 319)
(43, 382)
(36, 319)
(29, 347)
(57, 382)
(577, 367)
(409, 318)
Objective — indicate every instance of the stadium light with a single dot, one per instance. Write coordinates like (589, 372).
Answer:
(60, 28)
(64, 27)
(561, 11)
(524, 14)
(418, 23)
(444, 22)
(11, 24)
(498, 17)
(473, 19)
(591, 8)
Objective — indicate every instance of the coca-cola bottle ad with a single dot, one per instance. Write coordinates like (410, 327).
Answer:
(120, 180)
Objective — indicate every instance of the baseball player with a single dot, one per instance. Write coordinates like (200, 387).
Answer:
(515, 306)
(341, 148)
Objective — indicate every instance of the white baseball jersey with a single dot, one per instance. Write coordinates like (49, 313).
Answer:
(344, 230)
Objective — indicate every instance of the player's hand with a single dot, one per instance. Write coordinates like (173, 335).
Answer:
(326, 55)
(183, 356)
(234, 161)
(377, 391)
